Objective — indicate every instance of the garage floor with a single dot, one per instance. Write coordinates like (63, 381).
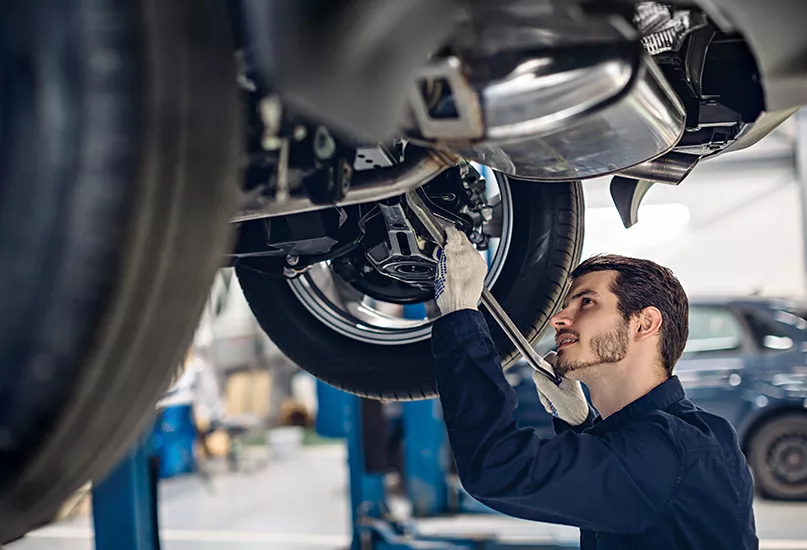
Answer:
(245, 511)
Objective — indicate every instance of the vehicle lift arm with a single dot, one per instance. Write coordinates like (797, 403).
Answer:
(426, 456)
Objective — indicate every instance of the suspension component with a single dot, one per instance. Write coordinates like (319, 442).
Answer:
(404, 256)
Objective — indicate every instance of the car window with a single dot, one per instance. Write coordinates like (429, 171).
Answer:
(766, 333)
(713, 329)
(794, 318)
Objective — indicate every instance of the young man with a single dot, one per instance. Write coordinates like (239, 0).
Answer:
(650, 471)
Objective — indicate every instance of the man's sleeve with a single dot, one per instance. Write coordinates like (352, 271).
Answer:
(616, 483)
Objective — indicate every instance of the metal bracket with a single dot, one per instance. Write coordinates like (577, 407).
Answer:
(389, 536)
(467, 122)
(402, 257)
(628, 194)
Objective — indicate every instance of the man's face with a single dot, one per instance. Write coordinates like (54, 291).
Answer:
(589, 329)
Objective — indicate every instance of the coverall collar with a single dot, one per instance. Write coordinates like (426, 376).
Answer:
(659, 398)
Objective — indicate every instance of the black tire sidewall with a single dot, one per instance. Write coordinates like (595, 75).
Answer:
(144, 215)
(57, 273)
(545, 246)
(758, 448)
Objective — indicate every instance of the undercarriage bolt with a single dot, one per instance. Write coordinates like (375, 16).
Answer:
(292, 260)
(476, 237)
(299, 133)
(324, 145)
(271, 113)
(271, 143)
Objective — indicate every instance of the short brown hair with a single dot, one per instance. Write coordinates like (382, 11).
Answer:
(641, 283)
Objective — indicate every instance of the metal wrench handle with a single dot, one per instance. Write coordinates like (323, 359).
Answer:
(510, 329)
(515, 336)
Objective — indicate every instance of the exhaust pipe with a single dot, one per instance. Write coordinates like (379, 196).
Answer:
(629, 187)
(421, 166)
(671, 168)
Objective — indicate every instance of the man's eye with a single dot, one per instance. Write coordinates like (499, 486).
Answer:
(586, 301)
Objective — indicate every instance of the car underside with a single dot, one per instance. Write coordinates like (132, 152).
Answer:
(512, 97)
(537, 92)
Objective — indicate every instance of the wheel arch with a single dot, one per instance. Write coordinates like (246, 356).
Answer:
(763, 417)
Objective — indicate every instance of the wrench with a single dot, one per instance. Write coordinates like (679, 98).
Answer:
(435, 229)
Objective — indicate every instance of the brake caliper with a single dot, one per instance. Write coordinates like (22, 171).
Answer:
(408, 254)
(405, 255)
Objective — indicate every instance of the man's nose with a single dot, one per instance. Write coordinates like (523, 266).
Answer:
(560, 319)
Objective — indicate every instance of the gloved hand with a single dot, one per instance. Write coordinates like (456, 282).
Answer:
(566, 401)
(460, 274)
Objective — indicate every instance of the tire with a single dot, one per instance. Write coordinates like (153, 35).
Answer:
(766, 450)
(545, 246)
(119, 142)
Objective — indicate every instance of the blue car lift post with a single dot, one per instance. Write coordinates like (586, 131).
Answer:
(373, 528)
(426, 457)
(124, 504)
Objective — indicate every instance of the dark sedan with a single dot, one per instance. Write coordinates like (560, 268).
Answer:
(745, 360)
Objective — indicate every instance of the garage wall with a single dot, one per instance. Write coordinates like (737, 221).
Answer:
(730, 228)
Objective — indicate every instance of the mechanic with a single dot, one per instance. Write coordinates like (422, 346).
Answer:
(650, 470)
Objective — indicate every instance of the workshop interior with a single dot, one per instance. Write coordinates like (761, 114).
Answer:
(221, 222)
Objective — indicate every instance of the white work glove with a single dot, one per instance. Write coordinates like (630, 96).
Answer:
(566, 401)
(460, 274)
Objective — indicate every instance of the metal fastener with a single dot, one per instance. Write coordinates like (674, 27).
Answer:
(324, 145)
(299, 133)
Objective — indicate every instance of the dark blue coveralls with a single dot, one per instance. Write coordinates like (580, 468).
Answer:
(660, 473)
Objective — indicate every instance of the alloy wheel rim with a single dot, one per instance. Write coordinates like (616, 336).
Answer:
(358, 316)
(787, 459)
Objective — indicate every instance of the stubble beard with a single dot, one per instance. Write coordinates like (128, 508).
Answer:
(609, 347)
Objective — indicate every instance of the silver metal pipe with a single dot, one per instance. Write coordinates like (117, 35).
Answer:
(671, 168)
(366, 186)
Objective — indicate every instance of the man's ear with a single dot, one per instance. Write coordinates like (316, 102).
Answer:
(649, 323)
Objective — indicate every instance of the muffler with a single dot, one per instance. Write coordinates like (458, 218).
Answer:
(547, 113)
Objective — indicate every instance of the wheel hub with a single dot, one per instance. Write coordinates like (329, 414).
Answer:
(411, 270)
(788, 458)
(369, 295)
(397, 248)
(404, 256)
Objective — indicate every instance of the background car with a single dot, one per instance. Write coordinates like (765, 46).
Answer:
(745, 360)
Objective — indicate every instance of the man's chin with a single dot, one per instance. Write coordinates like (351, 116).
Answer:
(571, 369)
(573, 374)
